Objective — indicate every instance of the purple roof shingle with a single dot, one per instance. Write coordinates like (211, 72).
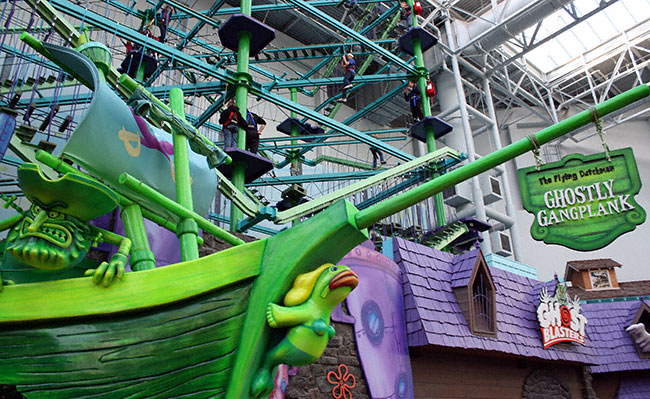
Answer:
(634, 388)
(615, 349)
(462, 268)
(435, 318)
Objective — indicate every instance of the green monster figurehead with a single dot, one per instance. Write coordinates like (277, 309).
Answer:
(54, 233)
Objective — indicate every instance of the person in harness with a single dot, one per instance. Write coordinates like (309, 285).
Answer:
(377, 155)
(255, 124)
(413, 96)
(230, 118)
(405, 15)
(347, 62)
(163, 21)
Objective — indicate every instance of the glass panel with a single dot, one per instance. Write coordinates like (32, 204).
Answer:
(585, 36)
(599, 279)
(483, 302)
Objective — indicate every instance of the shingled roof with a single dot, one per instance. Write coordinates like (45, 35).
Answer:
(591, 264)
(462, 268)
(625, 289)
(606, 331)
(634, 388)
(433, 317)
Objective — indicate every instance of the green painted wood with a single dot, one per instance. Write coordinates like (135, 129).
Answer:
(184, 349)
(77, 330)
(324, 238)
(138, 290)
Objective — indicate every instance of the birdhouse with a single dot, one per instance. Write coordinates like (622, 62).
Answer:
(417, 8)
(431, 89)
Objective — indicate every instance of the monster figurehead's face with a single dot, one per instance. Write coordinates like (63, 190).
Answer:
(49, 239)
(55, 233)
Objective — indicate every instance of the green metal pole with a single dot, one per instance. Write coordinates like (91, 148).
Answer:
(368, 216)
(422, 73)
(130, 85)
(141, 257)
(139, 74)
(183, 213)
(294, 133)
(294, 129)
(62, 167)
(187, 230)
(244, 80)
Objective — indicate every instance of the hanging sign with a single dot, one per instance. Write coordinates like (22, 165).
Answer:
(559, 318)
(583, 202)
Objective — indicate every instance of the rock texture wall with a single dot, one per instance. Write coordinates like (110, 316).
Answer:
(543, 384)
(311, 382)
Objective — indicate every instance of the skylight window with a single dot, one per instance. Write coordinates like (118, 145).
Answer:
(585, 36)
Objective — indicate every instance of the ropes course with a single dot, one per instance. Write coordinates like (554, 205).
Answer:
(170, 45)
(129, 126)
(165, 46)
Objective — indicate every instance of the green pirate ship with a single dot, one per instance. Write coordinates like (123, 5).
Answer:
(198, 328)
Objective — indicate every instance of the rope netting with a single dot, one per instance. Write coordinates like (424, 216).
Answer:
(53, 102)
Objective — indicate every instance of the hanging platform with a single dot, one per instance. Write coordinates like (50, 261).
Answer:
(46, 146)
(292, 196)
(26, 133)
(388, 229)
(285, 204)
(427, 40)
(294, 192)
(261, 34)
(304, 129)
(440, 128)
(256, 166)
(465, 242)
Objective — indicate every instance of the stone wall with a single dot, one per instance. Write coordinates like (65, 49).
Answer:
(311, 382)
(543, 384)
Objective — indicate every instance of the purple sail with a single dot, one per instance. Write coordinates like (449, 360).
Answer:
(164, 244)
(378, 309)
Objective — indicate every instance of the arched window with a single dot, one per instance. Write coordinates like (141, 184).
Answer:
(483, 313)
(475, 292)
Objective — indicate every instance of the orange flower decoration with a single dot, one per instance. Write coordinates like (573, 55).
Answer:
(343, 382)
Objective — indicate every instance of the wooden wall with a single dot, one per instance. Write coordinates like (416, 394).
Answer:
(606, 385)
(445, 374)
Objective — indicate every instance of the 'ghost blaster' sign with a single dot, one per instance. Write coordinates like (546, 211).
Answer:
(583, 202)
(560, 318)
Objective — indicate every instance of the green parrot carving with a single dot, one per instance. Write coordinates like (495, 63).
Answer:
(307, 310)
